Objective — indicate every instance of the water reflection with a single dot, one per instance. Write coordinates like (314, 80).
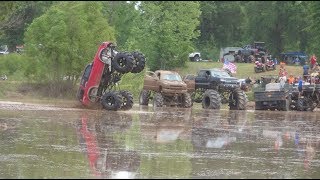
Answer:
(169, 143)
(107, 158)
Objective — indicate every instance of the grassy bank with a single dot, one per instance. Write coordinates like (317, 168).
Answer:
(15, 89)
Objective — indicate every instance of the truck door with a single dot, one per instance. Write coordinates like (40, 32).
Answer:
(151, 81)
(190, 81)
(202, 80)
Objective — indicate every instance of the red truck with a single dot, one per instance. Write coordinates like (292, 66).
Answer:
(100, 77)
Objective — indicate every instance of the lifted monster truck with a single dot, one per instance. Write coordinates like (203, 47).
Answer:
(309, 98)
(100, 77)
(165, 88)
(270, 96)
(214, 87)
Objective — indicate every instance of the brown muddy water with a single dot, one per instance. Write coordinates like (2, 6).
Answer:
(48, 142)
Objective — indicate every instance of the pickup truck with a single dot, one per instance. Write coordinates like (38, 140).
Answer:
(214, 87)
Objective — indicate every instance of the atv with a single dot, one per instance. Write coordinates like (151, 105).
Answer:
(259, 66)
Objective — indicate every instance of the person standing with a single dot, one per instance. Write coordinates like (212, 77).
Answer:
(305, 71)
(313, 61)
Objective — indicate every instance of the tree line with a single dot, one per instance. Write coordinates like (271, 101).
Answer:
(60, 38)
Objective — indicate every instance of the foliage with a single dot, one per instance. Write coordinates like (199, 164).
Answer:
(164, 32)
(65, 38)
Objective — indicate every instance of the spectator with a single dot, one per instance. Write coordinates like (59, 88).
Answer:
(313, 61)
(291, 79)
(305, 71)
(282, 76)
(300, 86)
(275, 61)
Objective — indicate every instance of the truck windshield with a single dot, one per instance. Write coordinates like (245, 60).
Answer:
(220, 74)
(172, 77)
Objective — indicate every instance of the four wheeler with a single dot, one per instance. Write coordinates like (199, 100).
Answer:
(100, 77)
(166, 88)
(269, 65)
(259, 66)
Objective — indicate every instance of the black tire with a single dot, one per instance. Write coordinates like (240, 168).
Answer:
(286, 105)
(301, 104)
(256, 69)
(186, 100)
(196, 58)
(123, 62)
(144, 97)
(238, 100)
(127, 100)
(111, 100)
(211, 99)
(258, 106)
(139, 62)
(157, 100)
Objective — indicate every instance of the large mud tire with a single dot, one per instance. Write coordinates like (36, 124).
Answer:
(186, 100)
(211, 100)
(111, 100)
(123, 62)
(258, 106)
(158, 100)
(238, 100)
(286, 104)
(139, 62)
(127, 100)
(144, 97)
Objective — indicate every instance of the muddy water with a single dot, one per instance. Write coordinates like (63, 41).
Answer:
(48, 142)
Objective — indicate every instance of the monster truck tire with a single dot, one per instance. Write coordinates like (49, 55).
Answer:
(237, 100)
(258, 106)
(144, 97)
(157, 100)
(139, 62)
(186, 100)
(127, 100)
(211, 100)
(111, 100)
(301, 104)
(123, 62)
(286, 105)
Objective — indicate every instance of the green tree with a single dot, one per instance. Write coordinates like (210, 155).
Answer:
(66, 38)
(165, 31)
(15, 17)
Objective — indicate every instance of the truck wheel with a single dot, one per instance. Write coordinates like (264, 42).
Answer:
(139, 62)
(158, 100)
(186, 100)
(111, 100)
(256, 69)
(127, 100)
(237, 100)
(258, 106)
(211, 100)
(286, 105)
(301, 104)
(196, 58)
(123, 62)
(144, 97)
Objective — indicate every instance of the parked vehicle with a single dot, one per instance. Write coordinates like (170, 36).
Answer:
(4, 50)
(165, 88)
(213, 87)
(195, 56)
(100, 77)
